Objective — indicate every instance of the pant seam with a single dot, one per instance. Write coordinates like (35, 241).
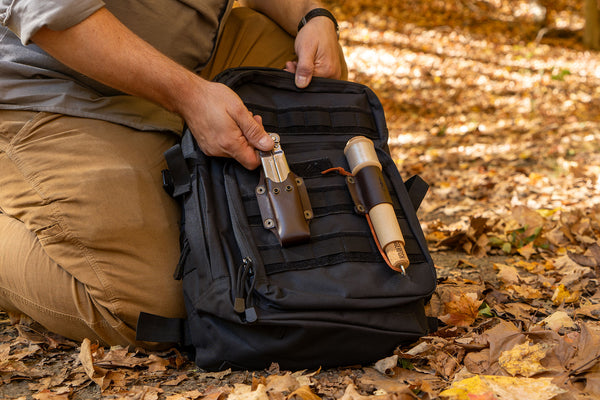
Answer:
(33, 179)
(13, 295)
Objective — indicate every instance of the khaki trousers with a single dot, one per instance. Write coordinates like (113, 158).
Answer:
(88, 238)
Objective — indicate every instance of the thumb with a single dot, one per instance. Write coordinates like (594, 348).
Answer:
(304, 70)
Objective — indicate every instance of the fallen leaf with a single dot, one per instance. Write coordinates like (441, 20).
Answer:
(94, 372)
(524, 359)
(462, 310)
(176, 381)
(245, 392)
(503, 387)
(281, 383)
(386, 365)
(156, 363)
(190, 395)
(557, 321)
(563, 296)
(303, 393)
(588, 310)
(507, 274)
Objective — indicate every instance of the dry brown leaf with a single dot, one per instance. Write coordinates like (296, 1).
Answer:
(588, 310)
(558, 321)
(156, 363)
(191, 395)
(176, 380)
(245, 392)
(351, 393)
(520, 311)
(507, 274)
(527, 251)
(462, 310)
(477, 362)
(387, 365)
(94, 372)
(216, 375)
(384, 384)
(587, 355)
(220, 394)
(281, 383)
(303, 393)
(53, 395)
(525, 292)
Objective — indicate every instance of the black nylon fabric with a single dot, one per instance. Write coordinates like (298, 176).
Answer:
(329, 302)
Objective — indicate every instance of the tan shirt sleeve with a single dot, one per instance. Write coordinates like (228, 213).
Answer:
(26, 17)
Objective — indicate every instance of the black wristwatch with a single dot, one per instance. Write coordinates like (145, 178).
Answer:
(319, 12)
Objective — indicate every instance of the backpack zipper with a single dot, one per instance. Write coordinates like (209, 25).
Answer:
(244, 288)
(245, 274)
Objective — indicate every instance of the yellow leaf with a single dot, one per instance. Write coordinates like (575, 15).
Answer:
(544, 212)
(563, 296)
(505, 387)
(524, 359)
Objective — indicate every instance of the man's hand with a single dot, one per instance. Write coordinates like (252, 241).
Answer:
(316, 45)
(223, 126)
(318, 51)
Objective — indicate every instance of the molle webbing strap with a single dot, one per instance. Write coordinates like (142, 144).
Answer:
(334, 120)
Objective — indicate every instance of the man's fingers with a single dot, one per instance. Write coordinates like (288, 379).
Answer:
(254, 132)
(247, 157)
(290, 66)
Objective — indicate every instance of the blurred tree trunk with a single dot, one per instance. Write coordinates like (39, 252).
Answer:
(591, 34)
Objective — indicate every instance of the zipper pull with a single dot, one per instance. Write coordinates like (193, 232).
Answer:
(250, 314)
(185, 251)
(239, 304)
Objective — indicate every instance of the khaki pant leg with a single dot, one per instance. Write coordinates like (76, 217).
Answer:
(251, 39)
(89, 237)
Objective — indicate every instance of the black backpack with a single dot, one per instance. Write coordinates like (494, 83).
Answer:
(327, 301)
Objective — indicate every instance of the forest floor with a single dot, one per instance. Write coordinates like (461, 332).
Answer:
(496, 104)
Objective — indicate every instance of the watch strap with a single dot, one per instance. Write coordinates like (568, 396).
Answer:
(319, 12)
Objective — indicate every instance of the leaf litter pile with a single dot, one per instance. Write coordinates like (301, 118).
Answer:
(496, 104)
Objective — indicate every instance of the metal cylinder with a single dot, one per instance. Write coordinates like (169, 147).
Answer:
(360, 152)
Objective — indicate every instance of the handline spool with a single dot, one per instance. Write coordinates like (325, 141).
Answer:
(365, 166)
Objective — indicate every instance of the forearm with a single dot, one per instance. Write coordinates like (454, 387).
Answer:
(107, 51)
(286, 13)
